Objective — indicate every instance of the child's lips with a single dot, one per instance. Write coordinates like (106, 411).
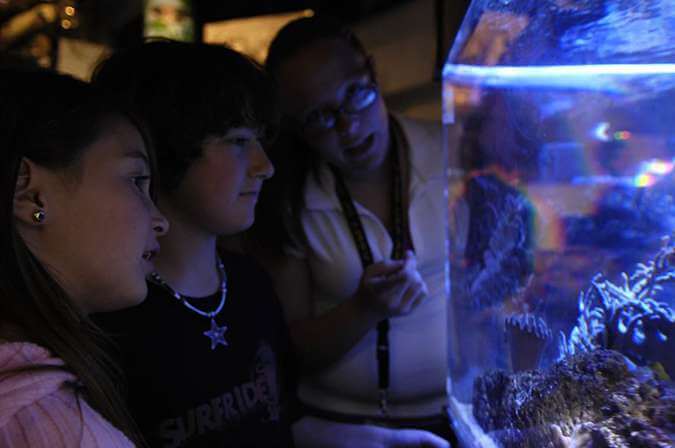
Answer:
(249, 195)
(149, 255)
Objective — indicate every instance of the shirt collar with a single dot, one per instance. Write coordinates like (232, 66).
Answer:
(426, 149)
(320, 190)
(426, 161)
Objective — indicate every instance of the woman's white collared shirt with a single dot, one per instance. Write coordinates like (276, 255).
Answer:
(418, 341)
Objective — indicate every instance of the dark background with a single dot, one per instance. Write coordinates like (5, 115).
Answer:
(119, 23)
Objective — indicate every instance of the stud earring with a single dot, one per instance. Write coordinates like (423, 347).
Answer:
(39, 216)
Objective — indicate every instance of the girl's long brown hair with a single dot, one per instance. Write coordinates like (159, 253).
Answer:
(51, 119)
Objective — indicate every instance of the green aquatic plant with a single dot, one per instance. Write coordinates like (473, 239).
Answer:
(628, 317)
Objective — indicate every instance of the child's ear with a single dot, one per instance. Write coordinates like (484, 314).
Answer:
(29, 204)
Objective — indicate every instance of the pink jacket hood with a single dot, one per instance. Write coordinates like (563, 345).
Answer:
(19, 385)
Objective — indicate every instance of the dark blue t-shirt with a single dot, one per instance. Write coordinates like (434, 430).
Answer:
(183, 393)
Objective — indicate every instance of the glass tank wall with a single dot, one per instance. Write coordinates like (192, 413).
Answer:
(562, 228)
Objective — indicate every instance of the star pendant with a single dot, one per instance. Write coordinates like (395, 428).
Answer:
(216, 334)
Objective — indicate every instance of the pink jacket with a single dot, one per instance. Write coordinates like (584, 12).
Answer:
(38, 409)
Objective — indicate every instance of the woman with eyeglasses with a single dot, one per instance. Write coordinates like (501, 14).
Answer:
(352, 231)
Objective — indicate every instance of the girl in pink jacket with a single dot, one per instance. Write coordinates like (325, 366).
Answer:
(78, 236)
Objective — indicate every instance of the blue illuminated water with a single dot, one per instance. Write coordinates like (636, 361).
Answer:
(570, 173)
(619, 78)
(565, 215)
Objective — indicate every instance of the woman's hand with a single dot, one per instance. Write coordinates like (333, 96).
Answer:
(312, 432)
(387, 289)
(392, 288)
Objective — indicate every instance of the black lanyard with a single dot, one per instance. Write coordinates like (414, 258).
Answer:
(401, 242)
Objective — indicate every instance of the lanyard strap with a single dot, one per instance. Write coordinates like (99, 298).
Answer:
(401, 241)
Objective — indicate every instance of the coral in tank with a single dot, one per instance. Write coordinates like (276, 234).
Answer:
(526, 335)
(590, 399)
(498, 255)
(628, 218)
(629, 317)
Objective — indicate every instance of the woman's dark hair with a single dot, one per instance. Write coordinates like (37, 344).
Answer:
(300, 33)
(281, 199)
(187, 92)
(51, 119)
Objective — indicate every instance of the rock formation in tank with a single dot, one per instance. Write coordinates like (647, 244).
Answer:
(590, 399)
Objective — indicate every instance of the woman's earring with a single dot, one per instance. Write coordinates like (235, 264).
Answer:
(39, 216)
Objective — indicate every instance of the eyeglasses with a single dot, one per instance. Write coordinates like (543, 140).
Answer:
(359, 97)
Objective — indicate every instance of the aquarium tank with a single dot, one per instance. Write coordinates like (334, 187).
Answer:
(561, 223)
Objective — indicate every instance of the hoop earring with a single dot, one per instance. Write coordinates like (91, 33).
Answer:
(39, 216)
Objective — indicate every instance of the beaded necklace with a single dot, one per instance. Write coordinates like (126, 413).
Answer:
(215, 333)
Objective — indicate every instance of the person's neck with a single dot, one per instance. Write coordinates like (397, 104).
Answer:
(187, 259)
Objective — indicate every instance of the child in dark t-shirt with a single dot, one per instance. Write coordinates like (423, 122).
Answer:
(182, 392)
(206, 355)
